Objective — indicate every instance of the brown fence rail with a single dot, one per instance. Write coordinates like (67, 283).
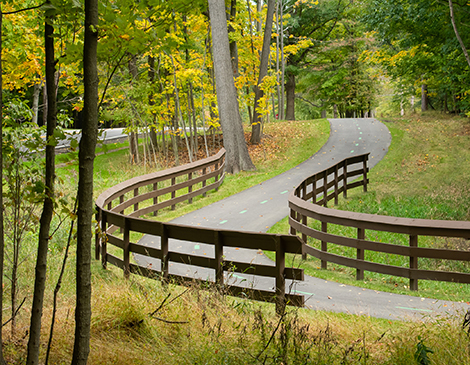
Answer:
(335, 179)
(145, 195)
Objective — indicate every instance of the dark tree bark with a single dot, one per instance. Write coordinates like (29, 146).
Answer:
(48, 206)
(424, 97)
(263, 72)
(237, 156)
(86, 158)
(290, 96)
(2, 235)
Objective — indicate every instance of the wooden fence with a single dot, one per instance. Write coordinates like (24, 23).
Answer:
(327, 185)
(150, 193)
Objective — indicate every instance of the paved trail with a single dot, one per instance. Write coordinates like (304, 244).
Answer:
(258, 208)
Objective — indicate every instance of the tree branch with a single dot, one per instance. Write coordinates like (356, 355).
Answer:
(452, 18)
(21, 10)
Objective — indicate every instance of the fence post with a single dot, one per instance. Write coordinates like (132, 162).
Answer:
(216, 176)
(121, 200)
(97, 233)
(345, 179)
(336, 185)
(190, 187)
(314, 189)
(125, 249)
(155, 200)
(204, 172)
(324, 245)
(364, 172)
(325, 188)
(173, 193)
(136, 193)
(104, 239)
(165, 256)
(304, 236)
(219, 258)
(280, 279)
(293, 215)
(413, 262)
(361, 234)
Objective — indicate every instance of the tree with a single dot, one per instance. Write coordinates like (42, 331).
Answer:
(237, 157)
(454, 25)
(419, 50)
(48, 204)
(312, 23)
(2, 236)
(263, 72)
(85, 185)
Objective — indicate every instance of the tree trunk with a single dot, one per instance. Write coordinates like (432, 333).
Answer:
(263, 72)
(133, 136)
(424, 97)
(86, 158)
(237, 156)
(233, 44)
(290, 96)
(283, 63)
(35, 108)
(2, 234)
(48, 206)
(462, 45)
(151, 76)
(278, 79)
(44, 103)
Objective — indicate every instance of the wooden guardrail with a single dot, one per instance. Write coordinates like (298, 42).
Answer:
(334, 179)
(118, 214)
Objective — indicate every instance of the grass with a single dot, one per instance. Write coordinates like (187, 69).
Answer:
(422, 176)
(196, 325)
(193, 325)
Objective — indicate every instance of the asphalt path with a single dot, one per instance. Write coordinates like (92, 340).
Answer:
(107, 135)
(261, 206)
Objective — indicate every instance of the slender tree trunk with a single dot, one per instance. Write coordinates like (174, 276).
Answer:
(44, 103)
(290, 96)
(133, 136)
(237, 156)
(193, 115)
(424, 97)
(259, 7)
(233, 44)
(462, 45)
(278, 69)
(283, 62)
(48, 206)
(263, 72)
(2, 233)
(35, 108)
(151, 76)
(86, 158)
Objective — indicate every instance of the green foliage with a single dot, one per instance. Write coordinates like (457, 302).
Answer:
(422, 351)
(417, 45)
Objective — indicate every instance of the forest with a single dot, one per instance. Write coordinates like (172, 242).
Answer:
(160, 69)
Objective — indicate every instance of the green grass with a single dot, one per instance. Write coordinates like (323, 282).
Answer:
(422, 176)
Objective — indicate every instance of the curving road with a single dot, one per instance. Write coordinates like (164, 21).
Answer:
(258, 208)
